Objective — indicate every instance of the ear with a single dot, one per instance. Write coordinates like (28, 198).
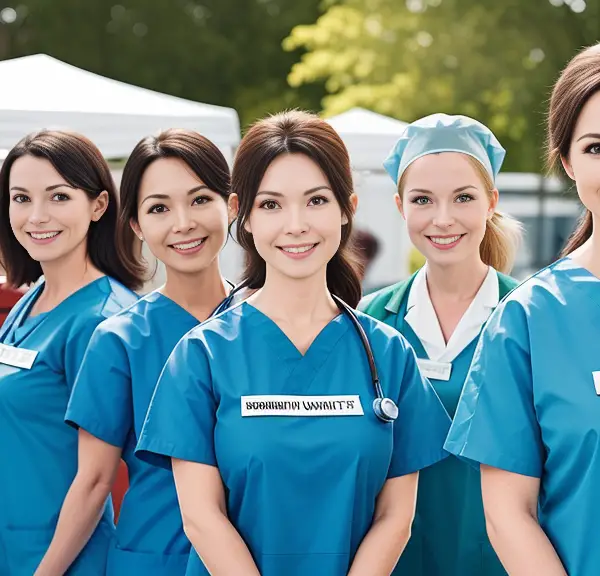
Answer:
(233, 207)
(493, 202)
(399, 204)
(100, 205)
(568, 168)
(353, 206)
(136, 228)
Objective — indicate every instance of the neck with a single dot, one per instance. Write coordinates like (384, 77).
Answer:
(67, 275)
(295, 301)
(588, 255)
(460, 281)
(198, 293)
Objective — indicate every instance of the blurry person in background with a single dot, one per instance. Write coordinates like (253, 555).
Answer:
(366, 249)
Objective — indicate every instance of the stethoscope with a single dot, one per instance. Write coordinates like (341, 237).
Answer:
(385, 408)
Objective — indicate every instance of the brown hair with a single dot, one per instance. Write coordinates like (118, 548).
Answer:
(296, 132)
(578, 82)
(81, 164)
(503, 233)
(202, 157)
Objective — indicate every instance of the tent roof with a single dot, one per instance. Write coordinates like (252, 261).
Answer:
(368, 136)
(42, 92)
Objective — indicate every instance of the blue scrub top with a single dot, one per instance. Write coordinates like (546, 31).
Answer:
(530, 405)
(38, 449)
(127, 353)
(301, 489)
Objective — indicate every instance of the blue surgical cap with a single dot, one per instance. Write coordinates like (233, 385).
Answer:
(442, 133)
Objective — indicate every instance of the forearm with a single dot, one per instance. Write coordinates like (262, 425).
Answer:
(523, 547)
(219, 545)
(79, 516)
(381, 548)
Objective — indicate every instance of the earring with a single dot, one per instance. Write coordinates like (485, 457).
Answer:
(141, 237)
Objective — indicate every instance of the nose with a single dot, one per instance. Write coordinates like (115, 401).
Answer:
(296, 222)
(184, 222)
(443, 218)
(39, 213)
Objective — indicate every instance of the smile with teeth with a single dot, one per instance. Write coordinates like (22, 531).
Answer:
(189, 245)
(445, 240)
(43, 235)
(297, 249)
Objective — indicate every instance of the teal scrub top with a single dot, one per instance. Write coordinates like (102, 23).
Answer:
(39, 450)
(449, 535)
(304, 463)
(531, 404)
(126, 354)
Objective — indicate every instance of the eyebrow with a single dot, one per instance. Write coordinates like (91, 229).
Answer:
(591, 135)
(424, 191)
(166, 196)
(307, 193)
(49, 189)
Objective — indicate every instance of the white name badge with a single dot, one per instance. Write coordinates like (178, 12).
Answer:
(596, 376)
(435, 370)
(17, 357)
(282, 405)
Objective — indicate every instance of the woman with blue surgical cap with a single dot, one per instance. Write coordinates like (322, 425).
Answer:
(295, 425)
(444, 168)
(530, 410)
(174, 194)
(58, 217)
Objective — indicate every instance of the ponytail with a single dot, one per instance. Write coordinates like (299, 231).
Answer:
(343, 277)
(580, 235)
(500, 243)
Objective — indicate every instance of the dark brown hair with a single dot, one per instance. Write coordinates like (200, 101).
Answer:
(199, 154)
(296, 132)
(579, 81)
(81, 164)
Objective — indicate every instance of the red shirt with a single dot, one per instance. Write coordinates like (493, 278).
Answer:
(8, 298)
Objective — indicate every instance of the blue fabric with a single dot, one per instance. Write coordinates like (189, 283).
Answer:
(127, 353)
(442, 133)
(449, 536)
(530, 406)
(300, 490)
(39, 450)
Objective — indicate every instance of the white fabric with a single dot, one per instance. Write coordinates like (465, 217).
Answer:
(42, 92)
(422, 318)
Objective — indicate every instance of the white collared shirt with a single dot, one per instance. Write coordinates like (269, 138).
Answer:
(422, 318)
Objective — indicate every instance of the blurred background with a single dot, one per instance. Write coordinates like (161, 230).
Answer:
(368, 66)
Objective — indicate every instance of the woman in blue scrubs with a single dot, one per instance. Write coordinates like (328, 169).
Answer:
(530, 410)
(266, 411)
(444, 168)
(174, 195)
(58, 216)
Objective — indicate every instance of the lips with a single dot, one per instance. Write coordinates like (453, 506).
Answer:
(190, 244)
(44, 235)
(300, 249)
(445, 240)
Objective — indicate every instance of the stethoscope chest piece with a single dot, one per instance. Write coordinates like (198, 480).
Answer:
(385, 409)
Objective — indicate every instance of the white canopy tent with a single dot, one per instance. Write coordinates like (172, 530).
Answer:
(41, 92)
(369, 138)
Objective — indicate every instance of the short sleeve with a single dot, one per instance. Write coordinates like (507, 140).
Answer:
(76, 346)
(422, 424)
(181, 419)
(101, 401)
(495, 422)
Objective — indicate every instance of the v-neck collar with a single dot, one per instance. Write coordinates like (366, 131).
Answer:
(157, 298)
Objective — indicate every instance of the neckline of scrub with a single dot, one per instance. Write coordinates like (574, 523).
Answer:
(568, 264)
(287, 348)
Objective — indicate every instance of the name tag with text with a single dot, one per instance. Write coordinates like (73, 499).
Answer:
(17, 357)
(283, 405)
(435, 370)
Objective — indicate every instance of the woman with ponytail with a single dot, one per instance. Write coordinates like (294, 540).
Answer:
(266, 412)
(530, 410)
(444, 168)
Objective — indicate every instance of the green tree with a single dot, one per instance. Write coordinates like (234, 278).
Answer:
(225, 52)
(495, 61)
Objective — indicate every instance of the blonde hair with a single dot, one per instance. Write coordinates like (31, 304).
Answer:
(503, 233)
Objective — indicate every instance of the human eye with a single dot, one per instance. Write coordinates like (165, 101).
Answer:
(157, 209)
(60, 197)
(200, 200)
(593, 149)
(420, 200)
(20, 198)
(318, 201)
(462, 198)
(269, 205)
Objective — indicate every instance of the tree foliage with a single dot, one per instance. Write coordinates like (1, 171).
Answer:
(493, 60)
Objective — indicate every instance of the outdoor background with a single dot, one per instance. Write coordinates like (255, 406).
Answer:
(495, 60)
